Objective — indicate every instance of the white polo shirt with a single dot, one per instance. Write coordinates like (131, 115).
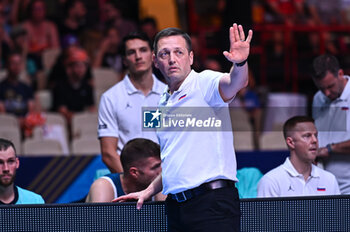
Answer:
(191, 157)
(285, 181)
(120, 111)
(332, 119)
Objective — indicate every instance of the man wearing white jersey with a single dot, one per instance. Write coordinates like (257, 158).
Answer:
(198, 167)
(120, 110)
(298, 176)
(330, 109)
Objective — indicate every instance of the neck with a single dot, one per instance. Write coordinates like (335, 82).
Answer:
(12, 79)
(129, 185)
(7, 194)
(142, 81)
(302, 167)
(175, 85)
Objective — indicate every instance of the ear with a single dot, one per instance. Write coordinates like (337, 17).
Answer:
(17, 165)
(290, 142)
(155, 61)
(133, 171)
(191, 57)
(340, 73)
(124, 61)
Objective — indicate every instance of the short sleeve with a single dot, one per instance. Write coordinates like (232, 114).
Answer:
(107, 118)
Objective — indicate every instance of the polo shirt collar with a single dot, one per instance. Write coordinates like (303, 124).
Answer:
(346, 91)
(288, 166)
(130, 88)
(187, 81)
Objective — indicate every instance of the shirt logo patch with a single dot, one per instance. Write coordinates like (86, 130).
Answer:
(321, 189)
(128, 105)
(103, 126)
(345, 108)
(183, 96)
(290, 188)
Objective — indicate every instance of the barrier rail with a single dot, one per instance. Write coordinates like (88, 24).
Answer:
(326, 213)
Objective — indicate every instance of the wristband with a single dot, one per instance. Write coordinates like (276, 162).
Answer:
(329, 148)
(241, 64)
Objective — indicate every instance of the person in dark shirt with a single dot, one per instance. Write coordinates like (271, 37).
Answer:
(73, 93)
(16, 97)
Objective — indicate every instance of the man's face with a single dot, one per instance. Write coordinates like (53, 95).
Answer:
(331, 86)
(76, 70)
(305, 141)
(148, 170)
(173, 59)
(138, 56)
(39, 11)
(8, 166)
(15, 65)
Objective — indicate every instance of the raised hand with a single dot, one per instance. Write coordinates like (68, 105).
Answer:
(239, 45)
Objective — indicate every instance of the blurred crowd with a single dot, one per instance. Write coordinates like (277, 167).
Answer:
(50, 48)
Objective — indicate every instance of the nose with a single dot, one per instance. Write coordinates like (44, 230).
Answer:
(326, 92)
(171, 58)
(5, 167)
(314, 139)
(138, 55)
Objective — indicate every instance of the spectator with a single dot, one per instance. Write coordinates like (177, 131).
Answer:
(114, 18)
(73, 24)
(19, 37)
(108, 55)
(325, 12)
(140, 159)
(9, 192)
(4, 46)
(120, 107)
(42, 35)
(73, 93)
(298, 176)
(330, 109)
(149, 26)
(16, 97)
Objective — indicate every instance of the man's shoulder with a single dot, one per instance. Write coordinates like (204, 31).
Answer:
(116, 89)
(28, 197)
(318, 99)
(276, 173)
(324, 173)
(210, 73)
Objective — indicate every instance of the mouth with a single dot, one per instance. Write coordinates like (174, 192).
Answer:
(313, 149)
(173, 69)
(6, 176)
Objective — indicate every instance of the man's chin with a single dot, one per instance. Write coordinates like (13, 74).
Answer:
(7, 182)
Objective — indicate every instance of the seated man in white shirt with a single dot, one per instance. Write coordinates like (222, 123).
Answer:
(298, 176)
(140, 159)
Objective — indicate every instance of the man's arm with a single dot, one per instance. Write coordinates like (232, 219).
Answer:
(100, 191)
(154, 188)
(230, 84)
(110, 155)
(342, 148)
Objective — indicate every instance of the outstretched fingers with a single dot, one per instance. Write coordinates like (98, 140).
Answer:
(250, 36)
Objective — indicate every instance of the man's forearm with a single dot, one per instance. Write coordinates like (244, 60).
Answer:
(230, 84)
(340, 148)
(112, 161)
(155, 187)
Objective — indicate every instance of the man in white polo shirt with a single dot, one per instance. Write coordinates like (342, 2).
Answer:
(120, 109)
(198, 167)
(331, 111)
(298, 176)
